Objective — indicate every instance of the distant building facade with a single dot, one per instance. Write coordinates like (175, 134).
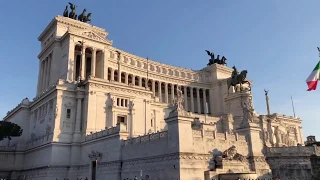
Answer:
(103, 113)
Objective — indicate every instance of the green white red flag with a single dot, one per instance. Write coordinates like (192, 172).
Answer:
(313, 78)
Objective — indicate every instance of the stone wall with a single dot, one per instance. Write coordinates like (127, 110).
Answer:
(291, 162)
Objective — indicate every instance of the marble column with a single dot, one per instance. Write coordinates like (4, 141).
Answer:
(166, 93)
(40, 76)
(185, 93)
(133, 80)
(93, 62)
(154, 87)
(192, 99)
(49, 69)
(79, 111)
(140, 81)
(44, 75)
(119, 70)
(172, 93)
(112, 75)
(83, 63)
(198, 101)
(204, 101)
(126, 78)
(159, 92)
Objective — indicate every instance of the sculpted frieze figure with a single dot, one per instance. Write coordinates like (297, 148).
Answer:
(232, 154)
(248, 111)
(178, 102)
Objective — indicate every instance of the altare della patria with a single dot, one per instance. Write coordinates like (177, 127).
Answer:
(103, 113)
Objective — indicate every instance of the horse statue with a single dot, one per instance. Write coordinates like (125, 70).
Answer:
(238, 79)
(72, 14)
(212, 60)
(223, 61)
(65, 12)
(88, 18)
(83, 17)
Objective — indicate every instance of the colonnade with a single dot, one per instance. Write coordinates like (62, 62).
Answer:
(86, 60)
(197, 99)
(44, 74)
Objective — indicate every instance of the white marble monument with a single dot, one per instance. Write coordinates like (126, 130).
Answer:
(98, 115)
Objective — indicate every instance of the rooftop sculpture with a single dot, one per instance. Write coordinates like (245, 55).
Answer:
(73, 15)
(212, 60)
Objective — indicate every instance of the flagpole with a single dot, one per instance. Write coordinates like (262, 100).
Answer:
(294, 113)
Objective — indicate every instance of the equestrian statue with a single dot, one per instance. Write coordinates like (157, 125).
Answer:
(212, 60)
(238, 79)
(73, 15)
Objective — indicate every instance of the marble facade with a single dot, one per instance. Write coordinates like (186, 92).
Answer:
(102, 113)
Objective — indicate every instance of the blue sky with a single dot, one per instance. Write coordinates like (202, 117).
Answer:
(276, 41)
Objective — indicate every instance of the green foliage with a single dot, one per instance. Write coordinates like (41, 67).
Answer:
(9, 129)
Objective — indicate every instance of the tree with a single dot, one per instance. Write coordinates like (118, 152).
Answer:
(9, 129)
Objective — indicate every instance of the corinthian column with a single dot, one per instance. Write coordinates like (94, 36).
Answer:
(198, 101)
(83, 62)
(93, 62)
(185, 92)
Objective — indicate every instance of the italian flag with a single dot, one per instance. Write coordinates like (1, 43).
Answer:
(313, 78)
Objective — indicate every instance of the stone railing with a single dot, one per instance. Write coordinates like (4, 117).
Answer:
(215, 135)
(107, 132)
(292, 151)
(146, 138)
(39, 140)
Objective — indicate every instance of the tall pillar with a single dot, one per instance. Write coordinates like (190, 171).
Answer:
(93, 62)
(44, 75)
(191, 99)
(133, 80)
(112, 75)
(126, 78)
(49, 69)
(39, 77)
(204, 101)
(172, 93)
(198, 101)
(79, 97)
(211, 101)
(105, 64)
(159, 91)
(119, 69)
(154, 87)
(83, 62)
(166, 93)
(140, 81)
(185, 92)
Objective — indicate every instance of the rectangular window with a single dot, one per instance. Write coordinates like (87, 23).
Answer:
(121, 119)
(68, 113)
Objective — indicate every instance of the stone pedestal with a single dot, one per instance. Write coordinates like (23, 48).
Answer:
(256, 156)
(235, 104)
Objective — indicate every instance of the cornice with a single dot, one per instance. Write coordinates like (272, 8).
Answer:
(73, 23)
(152, 62)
